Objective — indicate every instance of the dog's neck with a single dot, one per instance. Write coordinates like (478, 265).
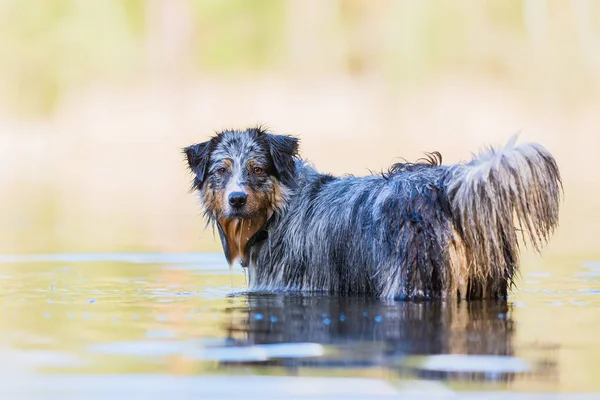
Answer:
(237, 233)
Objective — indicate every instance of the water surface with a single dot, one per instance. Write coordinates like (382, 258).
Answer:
(153, 325)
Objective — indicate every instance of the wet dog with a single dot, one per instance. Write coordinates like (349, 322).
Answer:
(419, 230)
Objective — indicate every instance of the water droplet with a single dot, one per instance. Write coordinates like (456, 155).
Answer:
(378, 318)
(91, 301)
(365, 314)
(258, 317)
(47, 315)
(273, 319)
(342, 317)
(327, 321)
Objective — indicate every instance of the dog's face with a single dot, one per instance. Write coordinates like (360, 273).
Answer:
(243, 176)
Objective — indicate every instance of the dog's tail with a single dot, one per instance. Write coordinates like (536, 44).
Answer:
(493, 197)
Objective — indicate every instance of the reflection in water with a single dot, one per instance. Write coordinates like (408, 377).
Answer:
(363, 332)
(72, 317)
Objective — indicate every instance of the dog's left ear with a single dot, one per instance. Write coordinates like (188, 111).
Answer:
(283, 150)
(197, 158)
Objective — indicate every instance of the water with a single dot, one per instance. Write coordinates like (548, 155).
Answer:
(153, 325)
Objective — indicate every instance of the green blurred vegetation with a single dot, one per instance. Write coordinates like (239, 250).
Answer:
(52, 47)
(55, 46)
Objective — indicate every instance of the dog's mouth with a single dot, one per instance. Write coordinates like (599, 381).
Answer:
(236, 233)
(238, 214)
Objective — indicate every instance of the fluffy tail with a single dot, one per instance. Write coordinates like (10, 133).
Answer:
(493, 197)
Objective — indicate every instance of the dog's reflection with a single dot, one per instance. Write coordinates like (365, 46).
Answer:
(367, 332)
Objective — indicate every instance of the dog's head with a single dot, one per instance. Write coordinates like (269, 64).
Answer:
(243, 177)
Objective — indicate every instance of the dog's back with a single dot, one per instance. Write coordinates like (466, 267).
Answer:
(422, 230)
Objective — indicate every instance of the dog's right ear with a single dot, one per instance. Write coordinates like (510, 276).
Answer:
(197, 158)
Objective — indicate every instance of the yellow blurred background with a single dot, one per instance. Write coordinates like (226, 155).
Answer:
(97, 98)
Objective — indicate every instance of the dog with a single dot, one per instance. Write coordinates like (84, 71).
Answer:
(421, 230)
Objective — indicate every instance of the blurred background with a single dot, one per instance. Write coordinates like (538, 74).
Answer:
(97, 98)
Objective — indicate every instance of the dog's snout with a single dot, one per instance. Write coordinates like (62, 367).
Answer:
(237, 199)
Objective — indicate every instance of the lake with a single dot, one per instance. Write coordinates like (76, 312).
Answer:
(151, 325)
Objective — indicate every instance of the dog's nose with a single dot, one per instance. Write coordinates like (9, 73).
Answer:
(237, 199)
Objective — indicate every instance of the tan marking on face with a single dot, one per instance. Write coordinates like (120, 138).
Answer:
(212, 201)
(278, 196)
(257, 202)
(238, 232)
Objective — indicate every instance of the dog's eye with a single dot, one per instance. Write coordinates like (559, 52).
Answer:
(257, 170)
(222, 170)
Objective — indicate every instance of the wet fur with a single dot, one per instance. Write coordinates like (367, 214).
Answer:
(420, 230)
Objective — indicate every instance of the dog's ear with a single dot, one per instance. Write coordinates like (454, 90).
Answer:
(197, 158)
(283, 150)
